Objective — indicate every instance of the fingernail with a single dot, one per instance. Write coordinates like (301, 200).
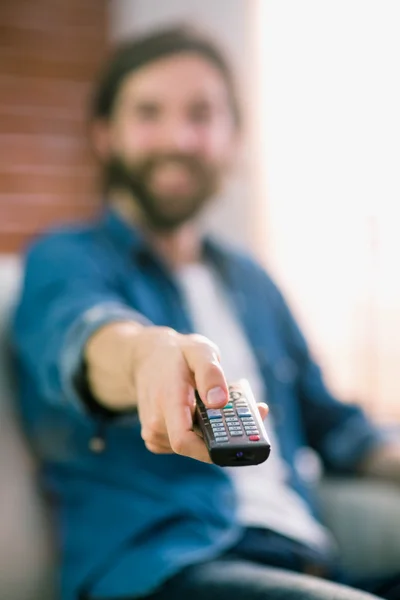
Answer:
(216, 396)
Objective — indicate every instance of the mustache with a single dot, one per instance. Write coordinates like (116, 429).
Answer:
(135, 176)
(193, 163)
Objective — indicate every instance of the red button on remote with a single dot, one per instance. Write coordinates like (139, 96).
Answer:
(254, 438)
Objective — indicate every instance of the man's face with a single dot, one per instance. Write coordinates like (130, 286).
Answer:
(170, 138)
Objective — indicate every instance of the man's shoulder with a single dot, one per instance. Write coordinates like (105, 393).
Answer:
(76, 249)
(70, 237)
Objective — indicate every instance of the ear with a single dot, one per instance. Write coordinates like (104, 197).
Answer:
(100, 138)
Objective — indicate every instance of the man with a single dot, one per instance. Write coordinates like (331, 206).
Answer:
(109, 353)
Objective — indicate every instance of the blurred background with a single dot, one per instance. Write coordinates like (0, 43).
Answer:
(316, 193)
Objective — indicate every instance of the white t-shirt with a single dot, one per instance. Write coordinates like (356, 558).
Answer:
(265, 497)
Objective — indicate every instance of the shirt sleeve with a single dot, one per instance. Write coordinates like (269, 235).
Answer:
(341, 433)
(66, 296)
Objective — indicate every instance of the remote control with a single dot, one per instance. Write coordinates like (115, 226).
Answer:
(234, 435)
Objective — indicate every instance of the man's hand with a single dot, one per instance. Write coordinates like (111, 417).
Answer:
(157, 370)
(383, 463)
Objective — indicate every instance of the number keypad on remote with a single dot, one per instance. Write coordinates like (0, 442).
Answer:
(235, 419)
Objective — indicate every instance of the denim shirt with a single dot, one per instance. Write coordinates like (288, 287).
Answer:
(128, 519)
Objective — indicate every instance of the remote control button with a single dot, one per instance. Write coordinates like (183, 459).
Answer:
(243, 411)
(215, 420)
(213, 414)
(251, 429)
(217, 423)
(235, 395)
(235, 433)
(219, 430)
(230, 414)
(232, 420)
(247, 420)
(254, 438)
(222, 439)
(241, 403)
(228, 406)
(234, 427)
(218, 434)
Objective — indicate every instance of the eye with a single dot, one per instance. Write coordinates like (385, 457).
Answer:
(147, 112)
(201, 114)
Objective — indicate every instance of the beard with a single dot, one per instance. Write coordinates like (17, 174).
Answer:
(165, 210)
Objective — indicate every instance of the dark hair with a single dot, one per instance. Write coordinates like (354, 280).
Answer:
(133, 54)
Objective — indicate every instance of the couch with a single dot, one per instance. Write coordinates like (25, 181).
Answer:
(364, 515)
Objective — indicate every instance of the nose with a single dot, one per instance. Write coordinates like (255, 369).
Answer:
(180, 136)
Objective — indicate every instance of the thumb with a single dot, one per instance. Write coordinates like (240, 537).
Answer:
(203, 361)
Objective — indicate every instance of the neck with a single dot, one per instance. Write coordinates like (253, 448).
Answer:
(177, 248)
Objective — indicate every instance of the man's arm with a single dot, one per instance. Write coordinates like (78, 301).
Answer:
(66, 297)
(70, 313)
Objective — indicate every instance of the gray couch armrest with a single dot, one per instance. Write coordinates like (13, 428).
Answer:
(27, 548)
(364, 517)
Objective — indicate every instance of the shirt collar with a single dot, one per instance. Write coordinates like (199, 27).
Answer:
(130, 240)
(127, 238)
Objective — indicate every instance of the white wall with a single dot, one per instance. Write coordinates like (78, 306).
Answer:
(330, 127)
(227, 21)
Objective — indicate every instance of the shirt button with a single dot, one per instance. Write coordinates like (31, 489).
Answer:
(97, 444)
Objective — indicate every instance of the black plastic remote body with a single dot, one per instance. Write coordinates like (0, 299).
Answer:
(234, 435)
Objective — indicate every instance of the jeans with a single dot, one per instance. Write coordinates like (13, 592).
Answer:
(267, 566)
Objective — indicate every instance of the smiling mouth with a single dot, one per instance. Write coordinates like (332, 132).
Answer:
(172, 177)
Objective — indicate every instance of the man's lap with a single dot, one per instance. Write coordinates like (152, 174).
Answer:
(238, 579)
(245, 580)
(267, 566)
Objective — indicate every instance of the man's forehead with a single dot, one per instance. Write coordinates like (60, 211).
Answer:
(185, 74)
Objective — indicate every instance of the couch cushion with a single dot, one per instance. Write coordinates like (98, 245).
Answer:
(364, 516)
(25, 548)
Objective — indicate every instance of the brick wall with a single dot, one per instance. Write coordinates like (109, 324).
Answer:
(49, 52)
